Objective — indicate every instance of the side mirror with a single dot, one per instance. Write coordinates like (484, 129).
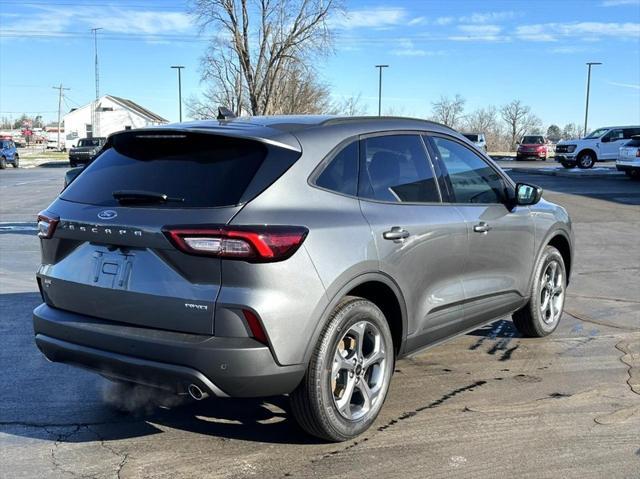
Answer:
(527, 195)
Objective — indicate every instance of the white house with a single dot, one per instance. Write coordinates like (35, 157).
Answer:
(111, 114)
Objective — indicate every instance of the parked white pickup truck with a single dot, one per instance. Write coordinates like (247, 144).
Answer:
(601, 145)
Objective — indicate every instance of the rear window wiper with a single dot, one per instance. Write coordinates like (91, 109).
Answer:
(143, 197)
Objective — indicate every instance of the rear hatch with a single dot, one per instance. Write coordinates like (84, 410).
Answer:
(110, 257)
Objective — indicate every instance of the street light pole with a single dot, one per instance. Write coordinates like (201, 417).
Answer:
(586, 111)
(380, 67)
(179, 68)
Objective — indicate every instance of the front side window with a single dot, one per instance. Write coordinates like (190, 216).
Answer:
(472, 179)
(341, 174)
(395, 168)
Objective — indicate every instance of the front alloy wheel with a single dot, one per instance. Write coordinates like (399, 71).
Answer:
(586, 160)
(349, 373)
(541, 315)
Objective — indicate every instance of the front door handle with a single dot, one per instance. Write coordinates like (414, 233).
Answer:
(482, 227)
(396, 233)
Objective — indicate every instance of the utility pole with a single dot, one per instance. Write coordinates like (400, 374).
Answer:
(586, 111)
(95, 120)
(380, 67)
(179, 68)
(60, 90)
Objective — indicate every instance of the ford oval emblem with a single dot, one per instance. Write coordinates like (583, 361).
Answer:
(107, 215)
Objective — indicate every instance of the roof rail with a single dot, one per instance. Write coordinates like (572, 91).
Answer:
(347, 119)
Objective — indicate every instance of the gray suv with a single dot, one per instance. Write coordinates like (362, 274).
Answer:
(291, 255)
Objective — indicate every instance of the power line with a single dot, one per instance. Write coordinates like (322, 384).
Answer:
(61, 90)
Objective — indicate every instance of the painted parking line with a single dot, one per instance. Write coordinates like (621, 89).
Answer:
(18, 226)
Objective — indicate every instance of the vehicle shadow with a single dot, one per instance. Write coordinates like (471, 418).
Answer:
(57, 402)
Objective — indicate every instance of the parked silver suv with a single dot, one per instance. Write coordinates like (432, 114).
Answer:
(291, 255)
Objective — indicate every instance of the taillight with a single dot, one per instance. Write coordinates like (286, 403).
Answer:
(638, 153)
(47, 224)
(260, 244)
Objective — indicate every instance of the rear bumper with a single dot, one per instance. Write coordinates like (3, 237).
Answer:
(236, 367)
(630, 165)
(531, 154)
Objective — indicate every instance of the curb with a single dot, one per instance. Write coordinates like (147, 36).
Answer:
(576, 173)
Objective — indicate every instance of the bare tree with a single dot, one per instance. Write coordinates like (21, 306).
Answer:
(571, 131)
(485, 120)
(518, 119)
(448, 111)
(260, 45)
(350, 106)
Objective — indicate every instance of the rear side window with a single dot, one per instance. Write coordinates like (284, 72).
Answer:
(631, 132)
(341, 175)
(396, 169)
(194, 170)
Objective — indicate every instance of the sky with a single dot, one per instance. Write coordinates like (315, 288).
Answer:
(489, 52)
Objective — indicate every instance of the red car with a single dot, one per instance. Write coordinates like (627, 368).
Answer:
(532, 147)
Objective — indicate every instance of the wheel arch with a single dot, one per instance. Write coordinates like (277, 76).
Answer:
(381, 290)
(561, 240)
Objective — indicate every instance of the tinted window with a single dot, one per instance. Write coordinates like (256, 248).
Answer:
(630, 132)
(471, 178)
(205, 170)
(615, 135)
(395, 168)
(341, 174)
(532, 140)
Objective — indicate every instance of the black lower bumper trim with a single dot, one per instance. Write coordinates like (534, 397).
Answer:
(237, 367)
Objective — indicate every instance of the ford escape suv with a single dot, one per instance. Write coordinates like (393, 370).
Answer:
(303, 255)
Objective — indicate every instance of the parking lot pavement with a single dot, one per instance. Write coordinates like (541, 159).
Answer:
(488, 404)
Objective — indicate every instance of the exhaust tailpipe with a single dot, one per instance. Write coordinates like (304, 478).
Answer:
(196, 393)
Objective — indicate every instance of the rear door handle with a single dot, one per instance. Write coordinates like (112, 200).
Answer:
(396, 233)
(482, 227)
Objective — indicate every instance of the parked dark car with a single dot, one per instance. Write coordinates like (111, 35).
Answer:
(8, 154)
(86, 151)
(292, 255)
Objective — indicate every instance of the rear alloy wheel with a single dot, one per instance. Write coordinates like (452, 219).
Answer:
(586, 160)
(349, 373)
(3, 162)
(542, 313)
(16, 161)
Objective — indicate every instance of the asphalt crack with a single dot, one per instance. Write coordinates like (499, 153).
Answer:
(631, 361)
(600, 323)
(402, 417)
(61, 437)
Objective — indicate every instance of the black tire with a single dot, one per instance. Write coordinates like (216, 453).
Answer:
(532, 320)
(313, 403)
(568, 166)
(16, 161)
(3, 162)
(586, 160)
(73, 165)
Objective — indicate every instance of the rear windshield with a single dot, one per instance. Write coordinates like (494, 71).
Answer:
(471, 137)
(529, 140)
(89, 142)
(201, 170)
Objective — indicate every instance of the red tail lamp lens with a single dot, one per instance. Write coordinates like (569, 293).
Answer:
(47, 223)
(250, 243)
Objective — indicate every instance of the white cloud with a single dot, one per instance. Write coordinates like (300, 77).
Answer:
(617, 3)
(633, 86)
(417, 21)
(488, 17)
(485, 33)
(408, 49)
(444, 20)
(57, 20)
(548, 32)
(379, 17)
